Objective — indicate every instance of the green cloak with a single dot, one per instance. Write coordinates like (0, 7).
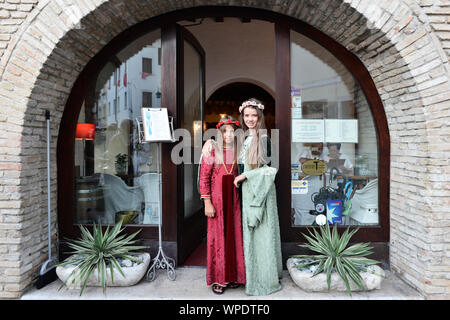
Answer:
(260, 227)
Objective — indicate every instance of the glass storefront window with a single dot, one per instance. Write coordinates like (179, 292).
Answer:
(116, 176)
(334, 157)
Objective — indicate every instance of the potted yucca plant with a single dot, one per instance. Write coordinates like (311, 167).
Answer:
(343, 268)
(103, 259)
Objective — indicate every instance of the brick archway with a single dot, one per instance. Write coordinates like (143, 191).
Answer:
(393, 40)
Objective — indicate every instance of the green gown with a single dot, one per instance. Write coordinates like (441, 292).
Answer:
(260, 228)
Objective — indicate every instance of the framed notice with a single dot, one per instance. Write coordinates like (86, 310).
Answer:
(155, 123)
(307, 130)
(341, 130)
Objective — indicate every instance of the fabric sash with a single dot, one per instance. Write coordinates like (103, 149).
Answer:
(228, 221)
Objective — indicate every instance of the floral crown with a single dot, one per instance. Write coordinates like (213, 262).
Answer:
(229, 121)
(251, 103)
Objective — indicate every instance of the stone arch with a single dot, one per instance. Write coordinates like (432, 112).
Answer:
(392, 39)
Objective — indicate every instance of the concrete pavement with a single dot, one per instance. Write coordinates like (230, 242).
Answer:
(190, 284)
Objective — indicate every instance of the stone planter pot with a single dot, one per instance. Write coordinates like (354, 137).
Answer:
(318, 283)
(133, 274)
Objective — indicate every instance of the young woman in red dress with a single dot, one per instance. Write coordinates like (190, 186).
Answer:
(218, 169)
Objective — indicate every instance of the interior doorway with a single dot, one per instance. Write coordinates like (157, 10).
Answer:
(226, 101)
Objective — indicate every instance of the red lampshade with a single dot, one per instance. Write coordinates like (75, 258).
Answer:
(85, 131)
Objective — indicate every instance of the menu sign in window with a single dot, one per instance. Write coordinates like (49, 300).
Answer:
(156, 124)
(328, 130)
(341, 131)
(307, 130)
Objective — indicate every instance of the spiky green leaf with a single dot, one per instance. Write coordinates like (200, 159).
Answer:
(99, 249)
(335, 254)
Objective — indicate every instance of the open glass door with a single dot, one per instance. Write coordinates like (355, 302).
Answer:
(192, 97)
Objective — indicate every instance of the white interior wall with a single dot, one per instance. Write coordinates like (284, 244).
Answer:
(237, 51)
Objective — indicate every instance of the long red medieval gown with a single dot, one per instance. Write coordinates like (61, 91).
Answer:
(225, 253)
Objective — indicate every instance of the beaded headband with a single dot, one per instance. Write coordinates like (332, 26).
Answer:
(251, 103)
(229, 121)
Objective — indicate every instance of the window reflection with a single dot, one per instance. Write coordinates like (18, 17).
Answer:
(334, 155)
(193, 106)
(116, 176)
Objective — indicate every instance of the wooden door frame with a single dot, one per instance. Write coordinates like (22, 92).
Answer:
(170, 90)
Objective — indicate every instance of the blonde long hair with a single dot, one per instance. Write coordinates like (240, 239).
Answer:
(256, 150)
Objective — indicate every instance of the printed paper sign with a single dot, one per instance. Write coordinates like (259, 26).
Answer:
(151, 214)
(307, 130)
(329, 130)
(295, 91)
(296, 113)
(299, 186)
(341, 131)
(155, 123)
(296, 101)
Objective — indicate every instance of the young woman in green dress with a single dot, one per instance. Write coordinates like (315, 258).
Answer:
(260, 224)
